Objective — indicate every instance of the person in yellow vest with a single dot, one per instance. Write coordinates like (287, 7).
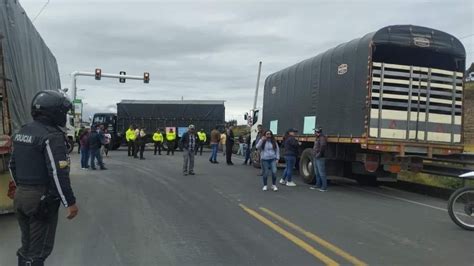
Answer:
(158, 140)
(130, 137)
(202, 140)
(170, 140)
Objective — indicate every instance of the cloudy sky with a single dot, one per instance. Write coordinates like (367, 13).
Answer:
(210, 49)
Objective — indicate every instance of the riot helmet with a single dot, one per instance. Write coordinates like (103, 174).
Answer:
(51, 105)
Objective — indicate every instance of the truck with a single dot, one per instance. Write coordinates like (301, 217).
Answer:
(153, 114)
(385, 101)
(26, 66)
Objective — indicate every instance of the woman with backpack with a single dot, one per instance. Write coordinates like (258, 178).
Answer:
(269, 155)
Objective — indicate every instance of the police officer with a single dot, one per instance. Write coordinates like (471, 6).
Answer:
(40, 168)
(202, 140)
(158, 140)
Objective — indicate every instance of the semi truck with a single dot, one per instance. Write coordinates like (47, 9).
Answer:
(26, 67)
(385, 101)
(152, 114)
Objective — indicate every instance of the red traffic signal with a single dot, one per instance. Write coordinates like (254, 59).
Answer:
(98, 73)
(146, 77)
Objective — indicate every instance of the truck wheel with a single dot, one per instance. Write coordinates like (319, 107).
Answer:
(70, 145)
(306, 166)
(366, 180)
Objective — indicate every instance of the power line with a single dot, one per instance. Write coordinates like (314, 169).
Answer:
(41, 10)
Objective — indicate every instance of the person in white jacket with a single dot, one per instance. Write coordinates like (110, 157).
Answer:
(269, 155)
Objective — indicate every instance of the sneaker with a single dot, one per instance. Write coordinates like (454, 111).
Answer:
(313, 187)
(322, 190)
(274, 188)
(282, 181)
(192, 173)
(265, 188)
(290, 184)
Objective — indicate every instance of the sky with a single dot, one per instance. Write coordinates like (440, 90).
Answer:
(209, 50)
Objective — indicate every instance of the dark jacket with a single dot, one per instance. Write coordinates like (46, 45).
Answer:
(319, 148)
(230, 137)
(291, 146)
(185, 141)
(95, 140)
(40, 157)
(84, 139)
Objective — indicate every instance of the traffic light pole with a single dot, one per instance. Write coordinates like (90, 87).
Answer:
(76, 74)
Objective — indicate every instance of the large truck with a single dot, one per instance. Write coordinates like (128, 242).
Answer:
(26, 67)
(151, 114)
(385, 101)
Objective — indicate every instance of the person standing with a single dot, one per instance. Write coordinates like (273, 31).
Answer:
(269, 154)
(189, 143)
(95, 142)
(223, 141)
(158, 140)
(170, 140)
(130, 137)
(260, 134)
(215, 139)
(141, 142)
(107, 141)
(319, 150)
(78, 138)
(137, 142)
(40, 166)
(84, 140)
(229, 145)
(202, 141)
(241, 146)
(248, 151)
(291, 146)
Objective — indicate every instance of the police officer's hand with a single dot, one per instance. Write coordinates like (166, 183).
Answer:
(72, 211)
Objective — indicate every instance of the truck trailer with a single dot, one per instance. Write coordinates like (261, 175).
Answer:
(385, 101)
(26, 67)
(151, 115)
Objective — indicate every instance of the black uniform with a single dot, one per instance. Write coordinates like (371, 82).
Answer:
(229, 145)
(39, 166)
(40, 169)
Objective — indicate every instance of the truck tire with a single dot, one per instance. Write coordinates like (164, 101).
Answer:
(306, 166)
(70, 145)
(366, 180)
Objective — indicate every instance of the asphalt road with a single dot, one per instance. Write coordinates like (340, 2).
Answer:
(148, 213)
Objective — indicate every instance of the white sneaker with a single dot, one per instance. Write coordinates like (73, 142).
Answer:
(274, 188)
(282, 181)
(265, 188)
(290, 184)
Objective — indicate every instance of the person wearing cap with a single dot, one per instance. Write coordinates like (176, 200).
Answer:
(170, 140)
(189, 143)
(158, 140)
(291, 146)
(319, 159)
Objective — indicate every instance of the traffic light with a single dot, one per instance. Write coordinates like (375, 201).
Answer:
(146, 77)
(98, 73)
(122, 73)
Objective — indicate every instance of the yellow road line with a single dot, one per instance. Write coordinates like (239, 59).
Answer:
(311, 250)
(315, 238)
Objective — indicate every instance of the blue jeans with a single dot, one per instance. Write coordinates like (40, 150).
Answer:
(269, 165)
(320, 172)
(84, 157)
(95, 154)
(214, 152)
(290, 164)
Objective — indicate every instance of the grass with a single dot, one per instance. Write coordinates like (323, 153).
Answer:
(433, 180)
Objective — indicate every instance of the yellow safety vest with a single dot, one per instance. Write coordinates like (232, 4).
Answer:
(130, 135)
(202, 136)
(158, 137)
(170, 136)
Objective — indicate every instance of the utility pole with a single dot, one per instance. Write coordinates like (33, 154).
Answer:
(258, 83)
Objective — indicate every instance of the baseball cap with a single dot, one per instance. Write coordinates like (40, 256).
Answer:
(191, 126)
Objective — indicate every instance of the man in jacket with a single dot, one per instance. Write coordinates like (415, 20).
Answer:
(140, 143)
(130, 137)
(158, 140)
(85, 153)
(40, 167)
(170, 140)
(319, 150)
(215, 139)
(95, 142)
(189, 144)
(291, 146)
(229, 145)
(202, 140)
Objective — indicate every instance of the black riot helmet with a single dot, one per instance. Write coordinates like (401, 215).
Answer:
(51, 105)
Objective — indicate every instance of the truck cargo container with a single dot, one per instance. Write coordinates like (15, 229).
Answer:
(384, 100)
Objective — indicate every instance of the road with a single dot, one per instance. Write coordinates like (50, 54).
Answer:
(148, 213)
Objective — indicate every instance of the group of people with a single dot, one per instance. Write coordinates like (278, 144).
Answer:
(270, 155)
(93, 143)
(225, 140)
